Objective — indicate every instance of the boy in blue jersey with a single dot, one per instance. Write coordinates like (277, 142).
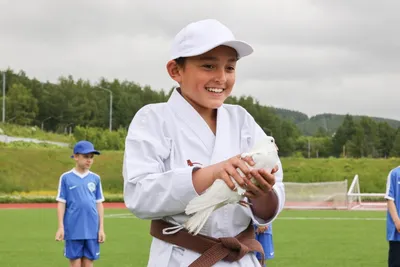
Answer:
(264, 236)
(80, 209)
(392, 220)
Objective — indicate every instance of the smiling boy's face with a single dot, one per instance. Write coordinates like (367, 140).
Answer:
(206, 80)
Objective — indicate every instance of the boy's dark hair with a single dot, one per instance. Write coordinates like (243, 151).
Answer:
(180, 61)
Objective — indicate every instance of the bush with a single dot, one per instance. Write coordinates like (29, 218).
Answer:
(102, 139)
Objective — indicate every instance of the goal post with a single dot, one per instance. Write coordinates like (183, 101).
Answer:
(317, 195)
(368, 201)
(354, 194)
(332, 195)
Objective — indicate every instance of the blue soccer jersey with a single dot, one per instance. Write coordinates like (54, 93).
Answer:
(80, 192)
(393, 193)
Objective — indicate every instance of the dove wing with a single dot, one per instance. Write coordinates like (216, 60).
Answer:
(217, 195)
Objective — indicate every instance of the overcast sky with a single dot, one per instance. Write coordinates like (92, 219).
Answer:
(326, 56)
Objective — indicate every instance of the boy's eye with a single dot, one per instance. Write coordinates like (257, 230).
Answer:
(208, 66)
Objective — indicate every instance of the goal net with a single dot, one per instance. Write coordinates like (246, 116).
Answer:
(321, 195)
(366, 201)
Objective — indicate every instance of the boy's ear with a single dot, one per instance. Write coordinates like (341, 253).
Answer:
(174, 71)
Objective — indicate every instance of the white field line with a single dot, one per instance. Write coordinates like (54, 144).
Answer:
(332, 218)
(120, 215)
(131, 216)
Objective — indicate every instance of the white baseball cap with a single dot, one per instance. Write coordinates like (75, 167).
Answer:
(202, 36)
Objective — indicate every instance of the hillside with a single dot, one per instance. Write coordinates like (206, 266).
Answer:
(327, 121)
(291, 115)
(38, 169)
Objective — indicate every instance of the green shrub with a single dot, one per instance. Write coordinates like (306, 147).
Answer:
(101, 138)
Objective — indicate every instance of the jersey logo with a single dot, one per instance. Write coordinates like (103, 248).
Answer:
(72, 187)
(191, 164)
(91, 186)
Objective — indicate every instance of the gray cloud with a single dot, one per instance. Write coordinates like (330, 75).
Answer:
(333, 56)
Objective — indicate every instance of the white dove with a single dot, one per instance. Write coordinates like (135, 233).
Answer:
(265, 156)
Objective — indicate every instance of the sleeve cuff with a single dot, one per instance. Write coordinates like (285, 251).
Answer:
(256, 220)
(259, 222)
(389, 197)
(61, 200)
(281, 202)
(100, 200)
(183, 188)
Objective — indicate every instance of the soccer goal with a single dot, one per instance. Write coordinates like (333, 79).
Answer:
(367, 201)
(319, 195)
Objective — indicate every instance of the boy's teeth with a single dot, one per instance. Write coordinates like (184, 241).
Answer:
(215, 90)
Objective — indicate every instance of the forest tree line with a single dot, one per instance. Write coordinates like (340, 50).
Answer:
(77, 105)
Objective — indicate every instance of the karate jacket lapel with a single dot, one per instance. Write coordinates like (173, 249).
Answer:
(193, 119)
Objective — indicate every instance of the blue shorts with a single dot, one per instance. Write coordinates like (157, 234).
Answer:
(267, 243)
(88, 248)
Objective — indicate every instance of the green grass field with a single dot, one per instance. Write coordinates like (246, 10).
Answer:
(301, 239)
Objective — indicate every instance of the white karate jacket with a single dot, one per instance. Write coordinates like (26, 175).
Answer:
(163, 141)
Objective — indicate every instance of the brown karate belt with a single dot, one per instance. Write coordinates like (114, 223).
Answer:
(212, 250)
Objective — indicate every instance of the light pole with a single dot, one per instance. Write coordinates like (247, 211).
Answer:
(44, 121)
(111, 100)
(66, 128)
(4, 97)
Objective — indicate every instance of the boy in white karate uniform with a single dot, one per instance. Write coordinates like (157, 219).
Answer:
(174, 151)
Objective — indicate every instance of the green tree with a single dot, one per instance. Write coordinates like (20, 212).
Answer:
(356, 146)
(387, 136)
(395, 151)
(21, 105)
(343, 134)
(371, 138)
(321, 132)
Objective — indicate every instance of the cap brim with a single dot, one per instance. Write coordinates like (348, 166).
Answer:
(242, 48)
(88, 152)
(91, 151)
